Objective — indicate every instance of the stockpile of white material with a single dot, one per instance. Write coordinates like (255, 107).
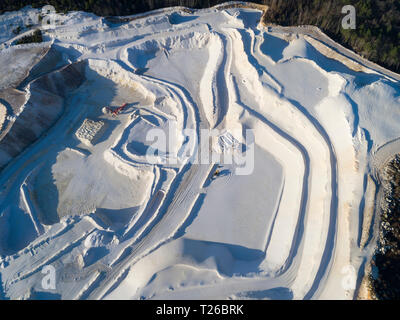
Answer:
(88, 130)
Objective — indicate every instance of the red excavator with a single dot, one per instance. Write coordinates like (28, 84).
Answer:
(117, 110)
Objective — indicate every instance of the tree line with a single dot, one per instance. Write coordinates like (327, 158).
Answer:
(376, 37)
(377, 33)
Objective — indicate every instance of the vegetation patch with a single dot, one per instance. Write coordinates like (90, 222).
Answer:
(385, 276)
(36, 37)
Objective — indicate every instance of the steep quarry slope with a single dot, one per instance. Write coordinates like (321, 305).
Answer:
(15, 65)
(88, 187)
(43, 104)
(16, 62)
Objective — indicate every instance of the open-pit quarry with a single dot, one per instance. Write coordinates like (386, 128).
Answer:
(79, 192)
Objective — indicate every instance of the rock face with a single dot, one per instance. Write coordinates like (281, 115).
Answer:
(385, 276)
(35, 110)
(17, 62)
